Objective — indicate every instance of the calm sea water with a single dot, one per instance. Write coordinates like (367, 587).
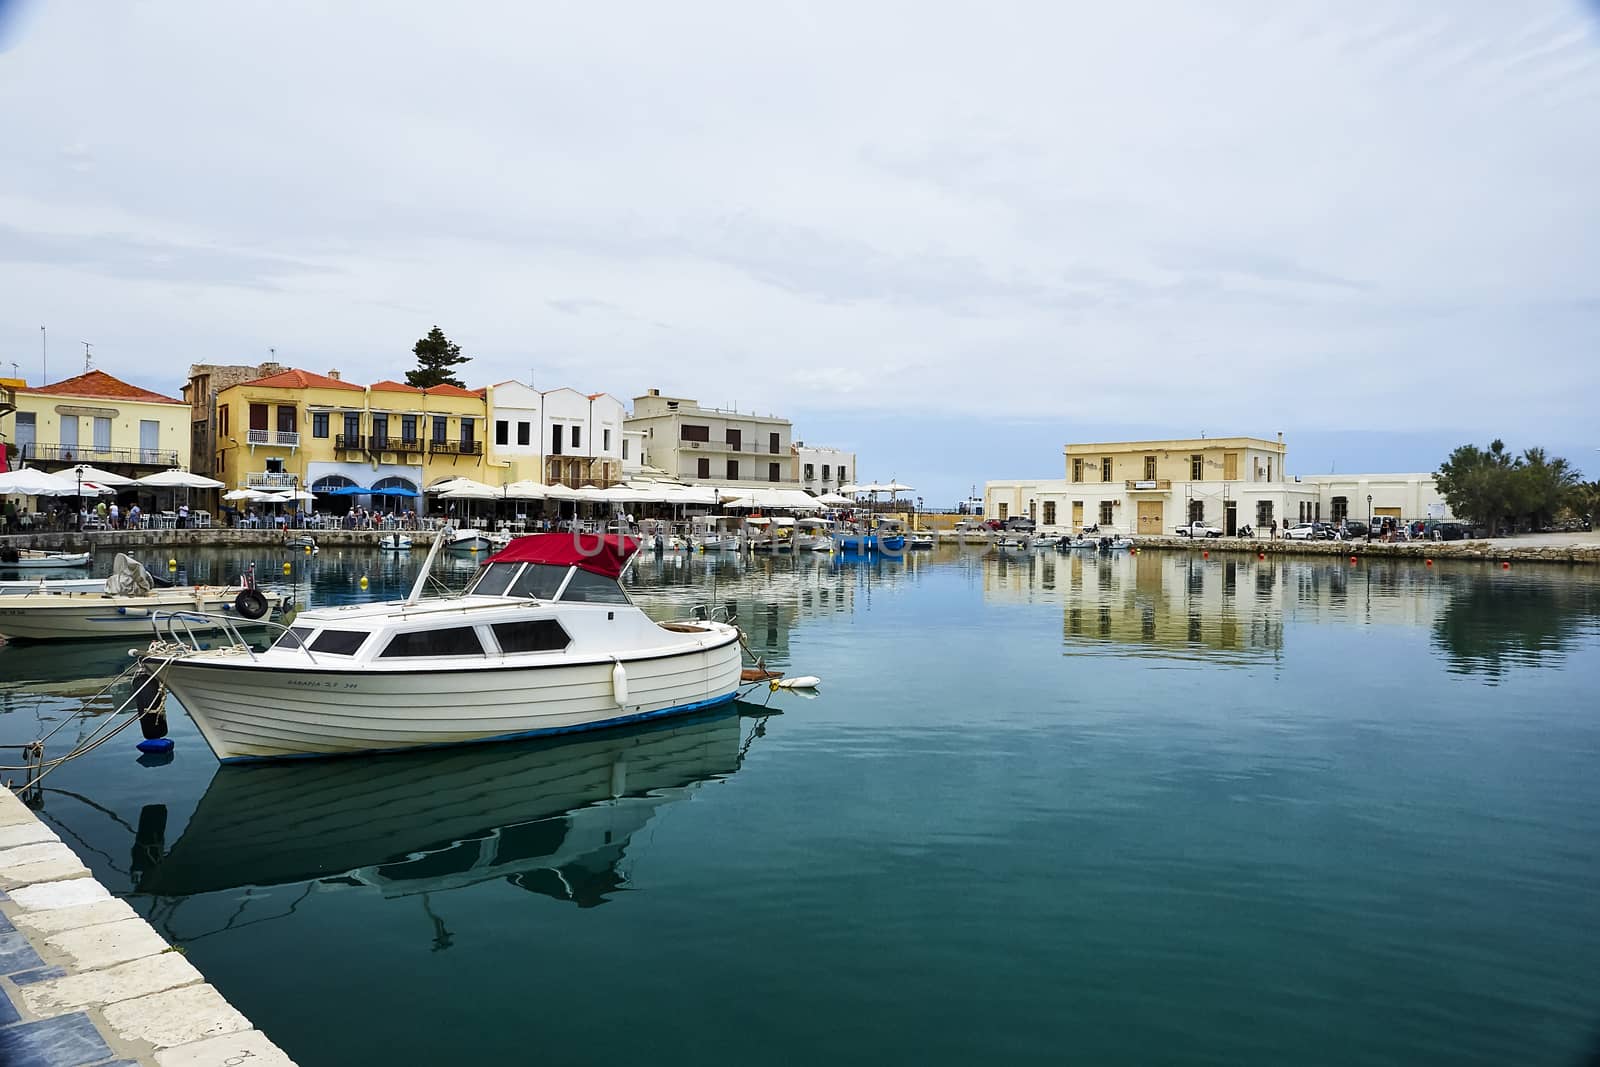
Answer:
(1150, 809)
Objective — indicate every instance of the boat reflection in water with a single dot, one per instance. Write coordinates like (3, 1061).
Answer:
(551, 817)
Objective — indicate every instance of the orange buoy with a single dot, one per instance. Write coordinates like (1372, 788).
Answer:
(1205, 555)
(1430, 563)
(1505, 564)
(1352, 559)
(1261, 555)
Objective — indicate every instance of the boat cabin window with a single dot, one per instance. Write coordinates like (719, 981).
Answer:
(538, 580)
(339, 642)
(495, 578)
(294, 637)
(586, 588)
(540, 635)
(455, 641)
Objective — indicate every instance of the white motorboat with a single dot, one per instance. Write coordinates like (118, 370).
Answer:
(716, 533)
(394, 542)
(813, 535)
(33, 559)
(128, 607)
(469, 540)
(16, 586)
(775, 534)
(544, 641)
(921, 540)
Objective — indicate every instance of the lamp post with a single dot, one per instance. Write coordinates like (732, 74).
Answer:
(1369, 511)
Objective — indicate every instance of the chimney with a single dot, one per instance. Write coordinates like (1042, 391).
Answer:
(334, 375)
(652, 392)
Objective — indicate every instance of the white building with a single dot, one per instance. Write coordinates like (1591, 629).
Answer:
(714, 446)
(1151, 487)
(558, 435)
(822, 470)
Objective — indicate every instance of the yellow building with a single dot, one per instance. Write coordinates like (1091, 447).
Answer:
(299, 429)
(97, 419)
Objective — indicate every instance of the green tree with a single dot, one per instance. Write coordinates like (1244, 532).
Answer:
(1544, 485)
(436, 354)
(1479, 484)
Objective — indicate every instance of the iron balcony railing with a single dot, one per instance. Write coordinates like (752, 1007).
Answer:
(385, 443)
(270, 480)
(345, 442)
(456, 448)
(285, 438)
(139, 457)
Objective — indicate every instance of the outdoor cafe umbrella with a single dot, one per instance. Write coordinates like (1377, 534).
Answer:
(178, 479)
(524, 490)
(29, 481)
(84, 472)
(834, 500)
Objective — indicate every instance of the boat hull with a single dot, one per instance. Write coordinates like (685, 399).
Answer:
(51, 562)
(75, 617)
(252, 712)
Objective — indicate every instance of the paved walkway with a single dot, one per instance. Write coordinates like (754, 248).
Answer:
(85, 981)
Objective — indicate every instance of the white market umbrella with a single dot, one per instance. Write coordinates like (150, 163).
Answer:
(243, 494)
(285, 496)
(31, 482)
(95, 474)
(453, 485)
(561, 492)
(852, 488)
(896, 487)
(834, 500)
(178, 479)
(525, 489)
(468, 492)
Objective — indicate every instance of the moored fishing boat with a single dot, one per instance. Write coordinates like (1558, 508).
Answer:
(813, 535)
(15, 586)
(33, 559)
(127, 607)
(468, 540)
(544, 641)
(920, 541)
(394, 542)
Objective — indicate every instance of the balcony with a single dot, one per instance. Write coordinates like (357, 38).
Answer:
(1149, 485)
(348, 442)
(8, 400)
(137, 457)
(278, 438)
(270, 480)
(385, 443)
(456, 448)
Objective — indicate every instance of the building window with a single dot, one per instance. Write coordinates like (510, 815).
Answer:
(577, 437)
(222, 420)
(1317, 512)
(1105, 510)
(555, 439)
(772, 443)
(352, 427)
(733, 470)
(734, 438)
(1004, 511)
(1341, 508)
(843, 477)
(1263, 514)
(1105, 469)
(1197, 510)
(605, 440)
(1149, 468)
(524, 433)
(440, 430)
(690, 432)
(380, 431)
(408, 429)
(102, 434)
(1197, 468)
(1077, 470)
(468, 434)
(1049, 512)
(824, 471)
(772, 473)
(502, 432)
(624, 448)
(319, 424)
(703, 468)
(811, 472)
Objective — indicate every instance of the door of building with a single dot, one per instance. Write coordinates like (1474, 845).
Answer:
(149, 441)
(1150, 517)
(1230, 523)
(1386, 513)
(1077, 515)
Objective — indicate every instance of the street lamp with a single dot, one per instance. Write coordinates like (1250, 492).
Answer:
(1369, 509)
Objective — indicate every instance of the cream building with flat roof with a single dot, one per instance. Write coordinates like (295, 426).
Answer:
(1149, 488)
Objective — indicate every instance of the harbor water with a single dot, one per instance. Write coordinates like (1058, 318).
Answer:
(1050, 808)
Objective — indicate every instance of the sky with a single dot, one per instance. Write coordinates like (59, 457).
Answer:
(952, 237)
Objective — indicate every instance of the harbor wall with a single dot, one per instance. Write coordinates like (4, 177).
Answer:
(121, 540)
(84, 979)
(1491, 551)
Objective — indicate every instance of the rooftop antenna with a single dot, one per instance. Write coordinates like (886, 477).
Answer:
(86, 355)
(44, 356)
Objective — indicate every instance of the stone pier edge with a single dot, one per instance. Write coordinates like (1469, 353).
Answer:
(86, 981)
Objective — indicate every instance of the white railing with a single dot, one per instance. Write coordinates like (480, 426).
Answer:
(270, 479)
(256, 437)
(286, 437)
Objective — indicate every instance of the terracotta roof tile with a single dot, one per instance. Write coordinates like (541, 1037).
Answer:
(101, 386)
(303, 379)
(453, 390)
(387, 386)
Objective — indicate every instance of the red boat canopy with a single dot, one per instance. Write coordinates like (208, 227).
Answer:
(603, 554)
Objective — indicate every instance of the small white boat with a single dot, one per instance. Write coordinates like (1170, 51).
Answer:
(23, 586)
(545, 641)
(32, 559)
(774, 534)
(716, 533)
(813, 535)
(469, 540)
(920, 541)
(394, 542)
(129, 606)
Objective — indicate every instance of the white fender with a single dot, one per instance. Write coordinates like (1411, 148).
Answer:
(804, 681)
(619, 684)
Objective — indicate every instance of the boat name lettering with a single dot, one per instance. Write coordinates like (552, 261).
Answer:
(313, 683)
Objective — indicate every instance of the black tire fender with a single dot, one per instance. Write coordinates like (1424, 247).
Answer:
(250, 604)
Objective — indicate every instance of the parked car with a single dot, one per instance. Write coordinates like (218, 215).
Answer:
(1303, 531)
(1020, 524)
(1444, 530)
(1355, 528)
(1199, 529)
